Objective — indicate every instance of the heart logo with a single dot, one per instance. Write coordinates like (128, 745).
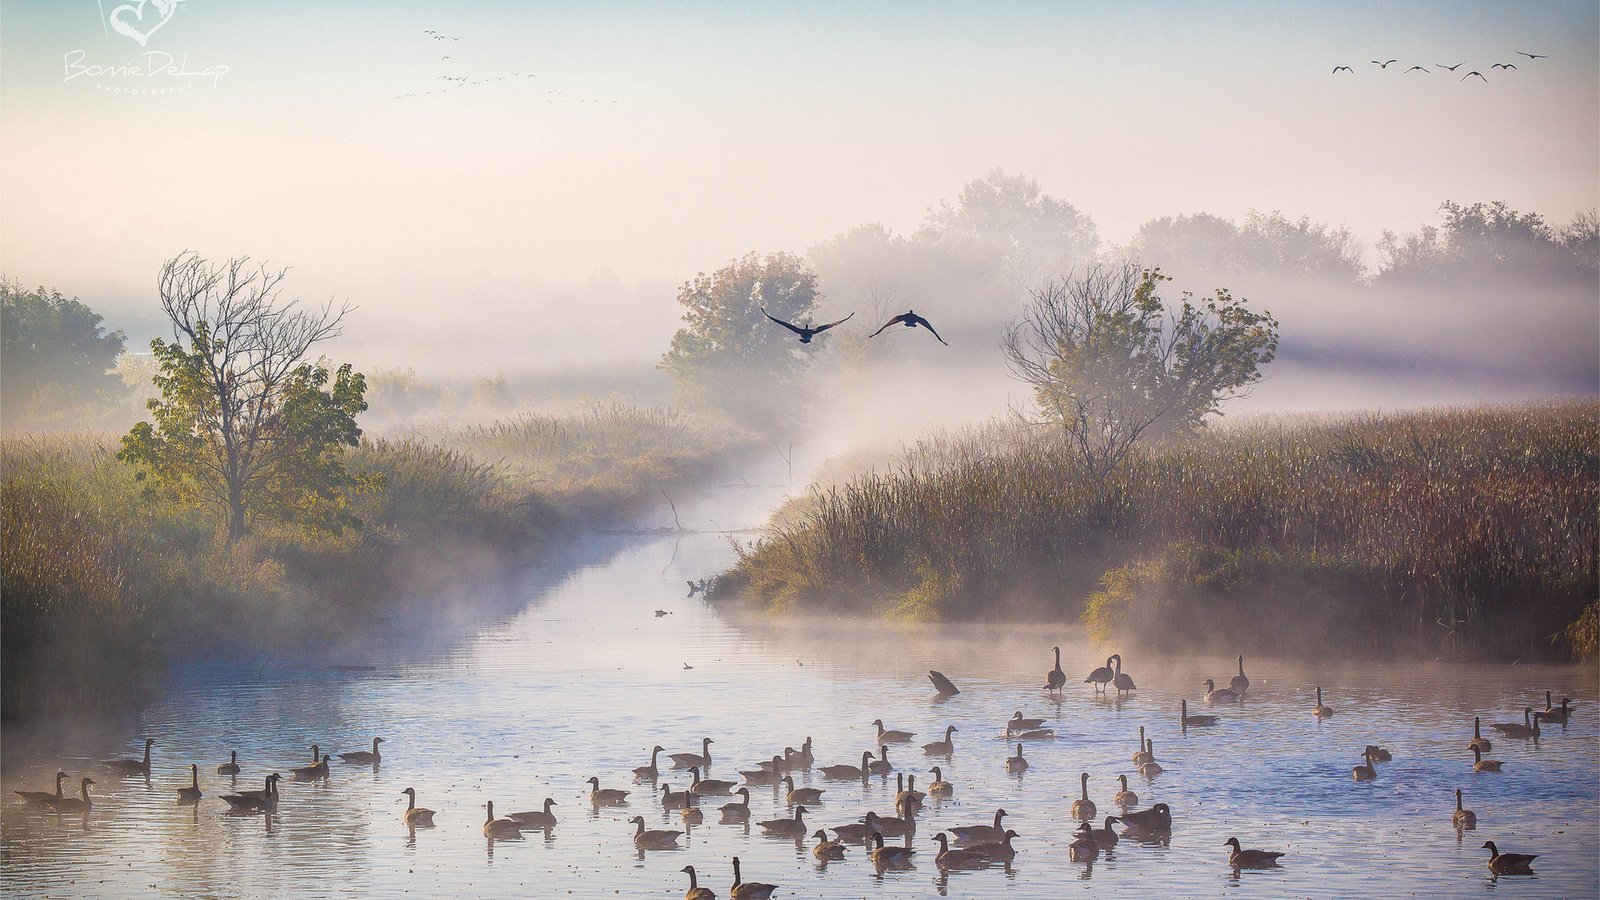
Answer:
(129, 18)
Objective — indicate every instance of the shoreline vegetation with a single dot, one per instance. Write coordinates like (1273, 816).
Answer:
(104, 585)
(1467, 532)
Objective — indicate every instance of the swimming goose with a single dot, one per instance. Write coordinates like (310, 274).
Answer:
(905, 824)
(1214, 695)
(415, 815)
(271, 790)
(131, 766)
(880, 766)
(858, 831)
(79, 803)
(191, 794)
(1478, 740)
(654, 839)
(1125, 798)
(1001, 849)
(826, 849)
(1250, 859)
(362, 757)
(1155, 820)
(701, 759)
(1479, 764)
(1152, 768)
(500, 829)
(979, 834)
(692, 814)
(1083, 848)
(805, 757)
(1185, 720)
(1016, 765)
(800, 795)
(770, 772)
(1100, 677)
(944, 747)
(1509, 863)
(1055, 679)
(1142, 756)
(1320, 711)
(848, 773)
(1379, 754)
(737, 812)
(1464, 818)
(254, 801)
(44, 798)
(708, 786)
(606, 796)
(1103, 837)
(1121, 681)
(695, 891)
(909, 793)
(885, 857)
(940, 787)
(788, 762)
(671, 799)
(1240, 682)
(536, 819)
(1083, 808)
(317, 769)
(891, 737)
(1523, 729)
(1365, 771)
(231, 767)
(1559, 715)
(651, 770)
(957, 859)
(795, 827)
(748, 890)
(1018, 723)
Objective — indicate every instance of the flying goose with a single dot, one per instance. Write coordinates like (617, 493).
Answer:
(1532, 55)
(910, 319)
(1509, 863)
(806, 333)
(957, 859)
(1504, 66)
(652, 840)
(606, 796)
(362, 757)
(748, 890)
(1408, 71)
(1083, 807)
(44, 798)
(1463, 818)
(231, 767)
(1125, 798)
(891, 737)
(1185, 720)
(944, 747)
(695, 891)
(191, 794)
(701, 759)
(1450, 68)
(800, 795)
(1250, 859)
(415, 815)
(1472, 73)
(536, 819)
(131, 766)
(1385, 65)
(1338, 69)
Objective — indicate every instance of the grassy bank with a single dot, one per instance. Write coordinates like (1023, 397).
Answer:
(1470, 530)
(102, 586)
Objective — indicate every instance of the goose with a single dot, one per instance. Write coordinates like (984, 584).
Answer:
(805, 757)
(500, 829)
(826, 849)
(910, 319)
(1141, 756)
(695, 891)
(701, 759)
(1479, 764)
(905, 824)
(1125, 798)
(1478, 740)
(1522, 729)
(1001, 849)
(1155, 820)
(1036, 734)
(1379, 754)
(1365, 771)
(1240, 682)
(708, 786)
(44, 798)
(81, 802)
(254, 801)
(231, 767)
(131, 766)
(788, 762)
(770, 772)
(654, 839)
(317, 769)
(1102, 676)
(795, 827)
(1250, 859)
(944, 747)
(957, 859)
(979, 834)
(191, 794)
(942, 685)
(1215, 695)
(606, 796)
(1320, 711)
(881, 765)
(1083, 807)
(1463, 818)
(649, 771)
(748, 890)
(1185, 720)
(1120, 681)
(1018, 723)
(692, 814)
(848, 773)
(535, 819)
(1509, 863)
(362, 757)
(884, 857)
(886, 736)
(737, 812)
(1016, 765)
(910, 793)
(671, 799)
(808, 332)
(940, 788)
(800, 795)
(415, 815)
(858, 831)
(1055, 679)
(1103, 837)
(1083, 848)
(1152, 768)
(271, 790)
(1554, 714)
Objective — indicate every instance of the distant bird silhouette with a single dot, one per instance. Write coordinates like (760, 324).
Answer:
(1470, 74)
(806, 334)
(1503, 66)
(1384, 65)
(1450, 68)
(1533, 55)
(1416, 69)
(910, 319)
(1338, 69)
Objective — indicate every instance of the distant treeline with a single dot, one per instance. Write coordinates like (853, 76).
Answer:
(1466, 531)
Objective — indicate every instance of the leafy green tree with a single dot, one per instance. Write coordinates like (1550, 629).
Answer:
(55, 357)
(728, 356)
(245, 425)
(1110, 362)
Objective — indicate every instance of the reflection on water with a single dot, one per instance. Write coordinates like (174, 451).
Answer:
(586, 679)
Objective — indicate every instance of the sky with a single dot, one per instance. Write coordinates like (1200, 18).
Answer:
(648, 142)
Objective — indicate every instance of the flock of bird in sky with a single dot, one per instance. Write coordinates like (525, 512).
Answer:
(909, 319)
(457, 82)
(1384, 64)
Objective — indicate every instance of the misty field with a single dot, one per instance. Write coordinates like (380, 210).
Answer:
(1439, 531)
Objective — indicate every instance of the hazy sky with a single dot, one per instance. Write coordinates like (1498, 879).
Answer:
(684, 134)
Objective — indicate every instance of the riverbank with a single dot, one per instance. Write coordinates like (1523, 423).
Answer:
(1453, 532)
(103, 586)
